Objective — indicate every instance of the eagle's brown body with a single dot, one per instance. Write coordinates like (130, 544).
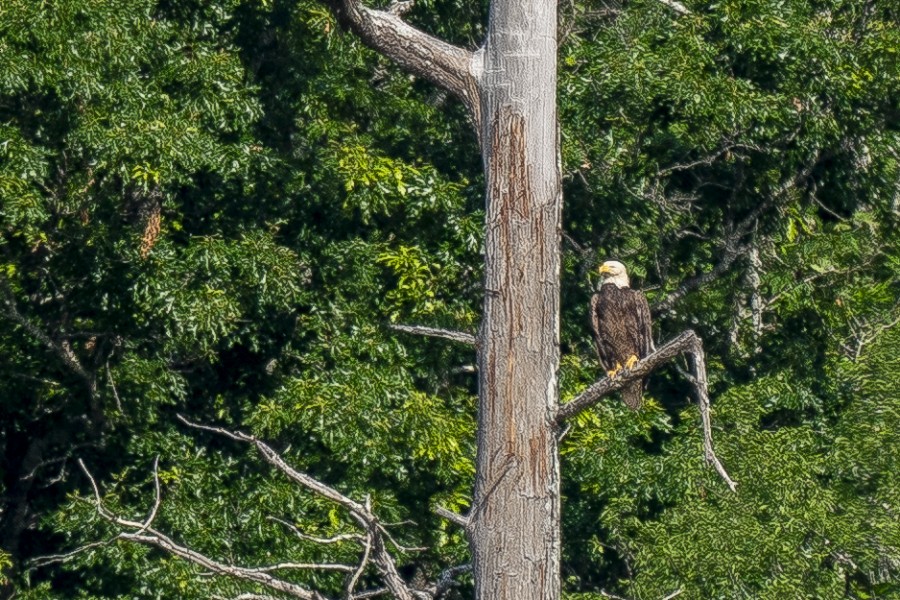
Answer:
(620, 319)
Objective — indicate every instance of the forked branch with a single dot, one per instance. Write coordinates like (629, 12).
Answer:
(373, 540)
(375, 547)
(686, 343)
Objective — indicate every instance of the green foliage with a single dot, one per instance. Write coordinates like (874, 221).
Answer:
(218, 208)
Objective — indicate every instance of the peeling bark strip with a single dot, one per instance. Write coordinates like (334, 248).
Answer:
(507, 168)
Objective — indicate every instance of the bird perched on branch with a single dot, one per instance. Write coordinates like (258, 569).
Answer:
(620, 320)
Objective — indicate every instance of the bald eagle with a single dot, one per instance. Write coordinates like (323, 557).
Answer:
(620, 319)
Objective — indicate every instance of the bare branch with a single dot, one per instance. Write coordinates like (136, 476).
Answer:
(456, 336)
(706, 160)
(863, 337)
(798, 284)
(451, 516)
(356, 509)
(248, 596)
(363, 563)
(158, 499)
(678, 7)
(447, 580)
(302, 566)
(644, 367)
(355, 537)
(423, 55)
(372, 593)
(686, 343)
(43, 561)
(115, 392)
(730, 253)
(359, 512)
(144, 534)
(733, 246)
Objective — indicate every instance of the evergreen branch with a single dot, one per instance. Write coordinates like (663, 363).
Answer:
(686, 343)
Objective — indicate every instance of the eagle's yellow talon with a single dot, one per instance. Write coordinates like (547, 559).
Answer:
(615, 371)
(632, 360)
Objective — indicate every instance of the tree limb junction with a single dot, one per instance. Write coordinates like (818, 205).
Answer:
(423, 55)
(686, 343)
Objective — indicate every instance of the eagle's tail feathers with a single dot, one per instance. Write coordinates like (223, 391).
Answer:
(632, 394)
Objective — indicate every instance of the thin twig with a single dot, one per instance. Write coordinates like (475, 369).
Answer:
(355, 537)
(43, 561)
(158, 499)
(115, 392)
(363, 563)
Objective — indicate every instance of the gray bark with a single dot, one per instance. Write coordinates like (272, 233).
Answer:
(514, 526)
(509, 87)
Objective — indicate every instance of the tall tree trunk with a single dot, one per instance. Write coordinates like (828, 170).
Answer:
(515, 524)
(509, 87)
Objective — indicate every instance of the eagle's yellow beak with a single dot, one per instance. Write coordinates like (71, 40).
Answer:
(604, 269)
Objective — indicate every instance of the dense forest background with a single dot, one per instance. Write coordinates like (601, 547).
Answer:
(217, 209)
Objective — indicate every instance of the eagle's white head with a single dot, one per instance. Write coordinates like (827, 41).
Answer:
(612, 271)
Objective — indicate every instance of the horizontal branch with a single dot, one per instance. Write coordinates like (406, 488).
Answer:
(686, 343)
(455, 336)
(345, 537)
(451, 516)
(248, 596)
(423, 55)
(606, 386)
